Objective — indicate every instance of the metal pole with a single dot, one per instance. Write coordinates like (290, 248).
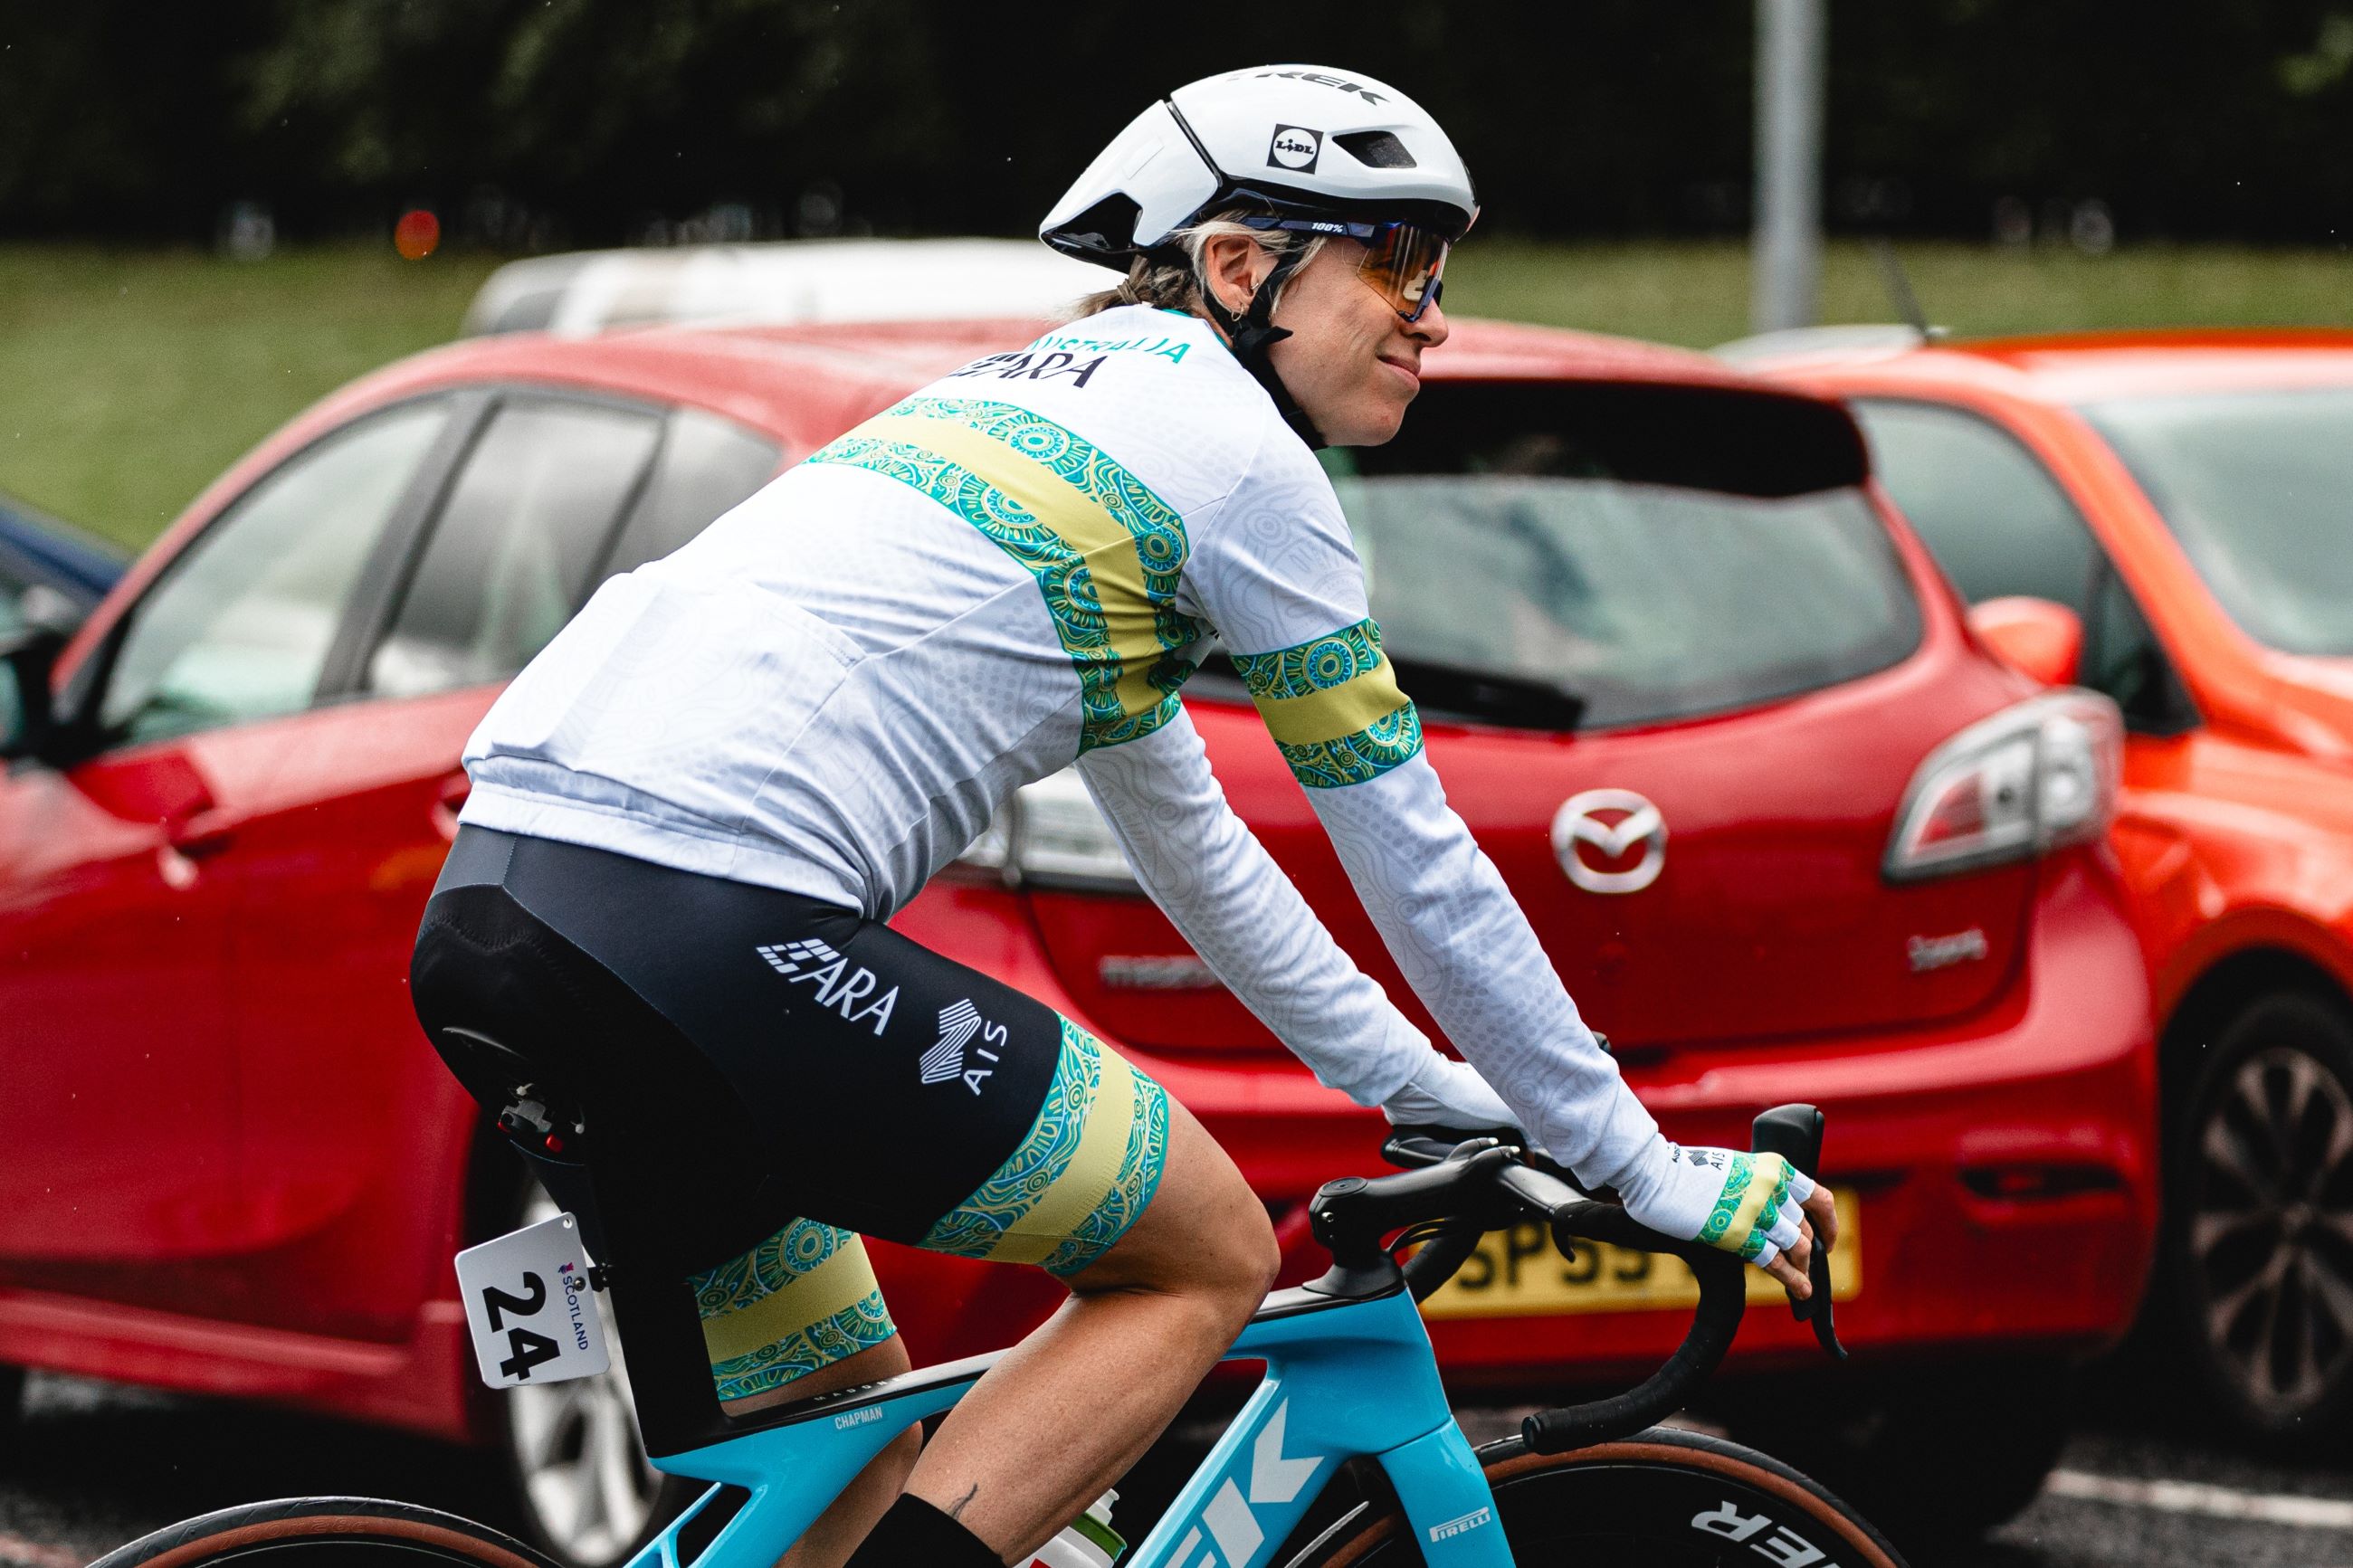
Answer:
(1786, 260)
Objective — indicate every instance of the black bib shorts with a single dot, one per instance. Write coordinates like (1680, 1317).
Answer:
(765, 1076)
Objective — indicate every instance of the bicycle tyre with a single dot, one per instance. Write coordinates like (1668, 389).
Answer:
(341, 1531)
(1631, 1504)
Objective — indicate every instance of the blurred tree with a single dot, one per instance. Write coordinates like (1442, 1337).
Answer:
(600, 119)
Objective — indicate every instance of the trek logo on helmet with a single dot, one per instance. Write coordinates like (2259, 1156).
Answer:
(1296, 148)
(1324, 79)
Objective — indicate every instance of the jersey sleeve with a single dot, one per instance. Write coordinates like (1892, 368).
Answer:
(1244, 917)
(1275, 572)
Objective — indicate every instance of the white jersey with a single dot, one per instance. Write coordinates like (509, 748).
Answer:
(832, 688)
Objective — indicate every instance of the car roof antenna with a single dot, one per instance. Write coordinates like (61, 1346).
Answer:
(1899, 290)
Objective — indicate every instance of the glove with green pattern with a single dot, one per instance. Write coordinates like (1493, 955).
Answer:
(1743, 1204)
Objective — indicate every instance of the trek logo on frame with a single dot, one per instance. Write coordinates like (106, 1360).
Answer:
(1230, 1517)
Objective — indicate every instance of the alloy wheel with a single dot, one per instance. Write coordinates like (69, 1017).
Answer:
(2270, 1231)
(585, 1478)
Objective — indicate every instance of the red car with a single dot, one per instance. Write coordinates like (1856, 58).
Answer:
(1787, 830)
(2169, 517)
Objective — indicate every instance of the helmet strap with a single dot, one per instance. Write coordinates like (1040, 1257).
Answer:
(1252, 334)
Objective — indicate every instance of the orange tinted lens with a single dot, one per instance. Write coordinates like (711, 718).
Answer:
(1401, 264)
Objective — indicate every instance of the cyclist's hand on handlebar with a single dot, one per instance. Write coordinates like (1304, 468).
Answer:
(1447, 1093)
(1755, 1206)
(1817, 1229)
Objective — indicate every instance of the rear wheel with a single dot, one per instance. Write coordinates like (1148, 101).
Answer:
(337, 1532)
(2258, 1247)
(1665, 1499)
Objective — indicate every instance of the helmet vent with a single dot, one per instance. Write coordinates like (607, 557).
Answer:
(1376, 149)
(1106, 228)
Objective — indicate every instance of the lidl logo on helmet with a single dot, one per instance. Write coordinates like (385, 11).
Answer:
(1295, 148)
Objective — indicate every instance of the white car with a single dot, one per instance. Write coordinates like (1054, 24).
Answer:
(784, 282)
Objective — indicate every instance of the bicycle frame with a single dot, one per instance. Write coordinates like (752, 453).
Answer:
(1344, 1376)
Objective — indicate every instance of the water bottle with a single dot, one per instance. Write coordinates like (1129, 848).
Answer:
(1087, 1541)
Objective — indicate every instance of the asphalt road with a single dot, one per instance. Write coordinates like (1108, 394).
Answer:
(93, 1466)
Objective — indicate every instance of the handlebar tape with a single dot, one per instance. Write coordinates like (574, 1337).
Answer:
(1723, 1297)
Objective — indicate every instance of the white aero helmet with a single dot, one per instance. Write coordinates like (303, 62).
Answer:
(1301, 141)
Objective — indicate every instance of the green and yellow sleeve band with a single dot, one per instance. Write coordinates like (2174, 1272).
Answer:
(1333, 708)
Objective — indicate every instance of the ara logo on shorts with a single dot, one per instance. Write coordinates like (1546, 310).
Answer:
(841, 985)
(944, 1062)
(1295, 148)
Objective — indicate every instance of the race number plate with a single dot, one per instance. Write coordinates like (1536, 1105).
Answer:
(527, 1301)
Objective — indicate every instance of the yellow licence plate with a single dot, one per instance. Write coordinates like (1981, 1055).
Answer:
(1516, 1273)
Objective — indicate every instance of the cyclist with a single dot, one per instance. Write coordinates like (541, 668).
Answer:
(693, 815)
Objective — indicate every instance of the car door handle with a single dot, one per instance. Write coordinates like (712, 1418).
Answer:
(447, 802)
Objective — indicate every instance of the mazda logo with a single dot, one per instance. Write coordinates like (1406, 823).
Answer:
(1614, 822)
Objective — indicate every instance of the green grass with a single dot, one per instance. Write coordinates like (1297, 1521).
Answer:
(1697, 294)
(130, 378)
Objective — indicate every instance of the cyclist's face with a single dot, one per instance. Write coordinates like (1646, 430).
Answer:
(1352, 363)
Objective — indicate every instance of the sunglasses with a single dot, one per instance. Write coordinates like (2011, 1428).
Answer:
(1402, 260)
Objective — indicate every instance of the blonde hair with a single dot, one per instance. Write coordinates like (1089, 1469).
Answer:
(1181, 286)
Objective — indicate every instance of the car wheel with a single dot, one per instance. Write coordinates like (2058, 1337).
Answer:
(2259, 1222)
(1998, 1425)
(584, 1492)
(12, 1406)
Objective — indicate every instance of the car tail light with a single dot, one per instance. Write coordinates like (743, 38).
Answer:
(1050, 835)
(2025, 781)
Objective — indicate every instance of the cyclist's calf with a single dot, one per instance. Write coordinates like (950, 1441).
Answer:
(1067, 1411)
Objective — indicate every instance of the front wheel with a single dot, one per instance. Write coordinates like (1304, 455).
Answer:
(333, 1532)
(1662, 1499)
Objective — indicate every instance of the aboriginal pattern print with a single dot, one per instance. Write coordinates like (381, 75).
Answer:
(1333, 708)
(836, 1338)
(767, 1276)
(990, 1223)
(1360, 757)
(1073, 594)
(1729, 1203)
(1312, 667)
(1138, 1179)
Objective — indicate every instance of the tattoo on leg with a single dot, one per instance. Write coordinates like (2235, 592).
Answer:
(965, 1501)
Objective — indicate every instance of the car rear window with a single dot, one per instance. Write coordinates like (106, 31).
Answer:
(1593, 556)
(2255, 485)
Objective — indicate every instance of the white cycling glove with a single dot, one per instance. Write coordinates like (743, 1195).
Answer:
(1746, 1205)
(1444, 1092)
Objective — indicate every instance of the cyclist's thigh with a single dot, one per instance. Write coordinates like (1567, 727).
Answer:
(801, 1309)
(883, 1083)
(1205, 1228)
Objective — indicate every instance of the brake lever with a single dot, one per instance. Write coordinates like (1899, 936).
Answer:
(1795, 1133)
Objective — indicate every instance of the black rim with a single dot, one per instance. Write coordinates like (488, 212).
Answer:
(2269, 1232)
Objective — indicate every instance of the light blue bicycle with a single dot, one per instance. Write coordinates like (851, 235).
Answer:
(1349, 1375)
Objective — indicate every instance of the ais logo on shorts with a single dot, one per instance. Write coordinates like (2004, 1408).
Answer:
(840, 985)
(944, 1062)
(1295, 148)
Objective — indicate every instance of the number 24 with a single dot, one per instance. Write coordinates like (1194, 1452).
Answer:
(529, 1349)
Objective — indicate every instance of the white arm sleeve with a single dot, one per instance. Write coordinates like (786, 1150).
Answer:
(1243, 916)
(1275, 572)
(1470, 954)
